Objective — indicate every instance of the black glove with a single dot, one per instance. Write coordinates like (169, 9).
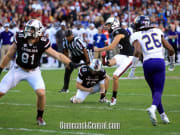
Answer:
(1, 69)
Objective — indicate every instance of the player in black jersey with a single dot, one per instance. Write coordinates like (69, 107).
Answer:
(29, 46)
(91, 79)
(123, 60)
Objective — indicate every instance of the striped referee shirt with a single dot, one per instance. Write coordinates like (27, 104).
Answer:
(76, 46)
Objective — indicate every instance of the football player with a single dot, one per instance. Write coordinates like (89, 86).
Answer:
(91, 79)
(150, 42)
(123, 60)
(29, 46)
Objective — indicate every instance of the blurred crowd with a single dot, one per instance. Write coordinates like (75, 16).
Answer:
(87, 15)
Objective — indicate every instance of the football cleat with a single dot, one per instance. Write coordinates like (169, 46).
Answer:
(152, 115)
(113, 101)
(164, 118)
(104, 100)
(40, 121)
(131, 74)
(171, 67)
(64, 91)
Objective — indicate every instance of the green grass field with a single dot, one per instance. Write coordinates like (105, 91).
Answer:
(18, 107)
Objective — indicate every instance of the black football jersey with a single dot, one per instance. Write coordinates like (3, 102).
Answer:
(124, 44)
(29, 55)
(88, 79)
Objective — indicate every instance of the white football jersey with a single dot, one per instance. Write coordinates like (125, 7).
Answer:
(90, 34)
(150, 41)
(78, 32)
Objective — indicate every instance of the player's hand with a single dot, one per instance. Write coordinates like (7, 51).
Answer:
(91, 89)
(96, 49)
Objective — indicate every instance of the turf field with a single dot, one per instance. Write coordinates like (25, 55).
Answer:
(18, 107)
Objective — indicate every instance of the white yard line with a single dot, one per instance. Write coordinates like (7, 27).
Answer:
(48, 131)
(109, 93)
(87, 107)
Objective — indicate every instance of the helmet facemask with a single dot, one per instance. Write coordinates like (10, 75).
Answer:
(111, 24)
(33, 29)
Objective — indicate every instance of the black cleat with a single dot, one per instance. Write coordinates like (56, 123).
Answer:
(64, 91)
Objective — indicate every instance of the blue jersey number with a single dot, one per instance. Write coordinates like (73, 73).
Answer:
(150, 39)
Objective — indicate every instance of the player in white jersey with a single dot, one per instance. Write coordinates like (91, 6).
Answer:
(78, 31)
(91, 31)
(150, 41)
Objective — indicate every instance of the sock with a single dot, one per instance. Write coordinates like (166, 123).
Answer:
(103, 95)
(114, 94)
(40, 113)
(153, 107)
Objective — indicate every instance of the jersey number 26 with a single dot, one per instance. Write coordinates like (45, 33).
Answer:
(151, 38)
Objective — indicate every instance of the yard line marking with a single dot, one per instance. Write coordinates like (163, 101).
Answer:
(87, 107)
(49, 131)
(109, 93)
(15, 91)
(173, 133)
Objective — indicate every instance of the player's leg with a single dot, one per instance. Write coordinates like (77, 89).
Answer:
(133, 67)
(79, 97)
(159, 81)
(148, 74)
(123, 62)
(37, 83)
(10, 80)
(103, 95)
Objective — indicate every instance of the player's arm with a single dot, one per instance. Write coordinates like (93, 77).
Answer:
(11, 52)
(61, 57)
(112, 45)
(79, 82)
(65, 51)
(81, 87)
(167, 46)
(102, 86)
(137, 48)
(86, 56)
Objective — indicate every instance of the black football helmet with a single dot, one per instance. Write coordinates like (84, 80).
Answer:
(141, 22)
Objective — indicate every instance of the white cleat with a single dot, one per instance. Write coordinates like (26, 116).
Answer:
(131, 74)
(104, 100)
(171, 67)
(113, 101)
(152, 115)
(41, 122)
(164, 118)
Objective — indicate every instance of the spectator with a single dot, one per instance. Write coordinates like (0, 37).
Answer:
(99, 41)
(7, 38)
(60, 35)
(173, 39)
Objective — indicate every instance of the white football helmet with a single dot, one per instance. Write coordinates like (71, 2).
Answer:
(96, 65)
(114, 22)
(33, 28)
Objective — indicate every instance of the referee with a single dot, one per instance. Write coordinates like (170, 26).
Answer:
(78, 51)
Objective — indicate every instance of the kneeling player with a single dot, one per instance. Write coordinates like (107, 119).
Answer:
(91, 79)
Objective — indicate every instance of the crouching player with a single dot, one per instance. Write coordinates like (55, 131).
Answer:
(91, 79)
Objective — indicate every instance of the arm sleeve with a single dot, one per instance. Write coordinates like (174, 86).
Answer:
(102, 81)
(79, 80)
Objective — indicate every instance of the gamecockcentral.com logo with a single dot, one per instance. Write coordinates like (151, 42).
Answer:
(89, 125)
